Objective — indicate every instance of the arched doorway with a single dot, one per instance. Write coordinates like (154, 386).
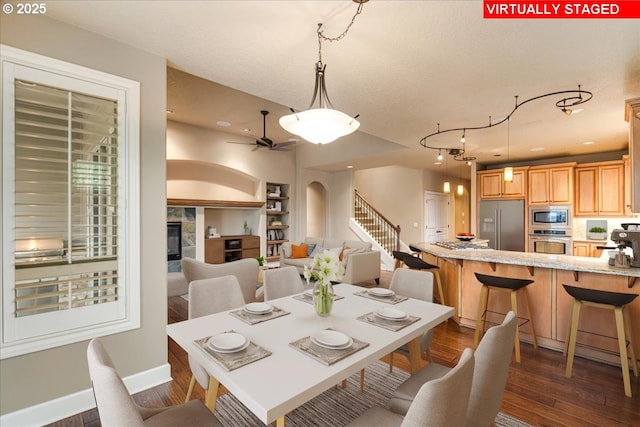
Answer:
(316, 210)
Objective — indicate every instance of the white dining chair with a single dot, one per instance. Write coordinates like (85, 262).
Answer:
(281, 282)
(416, 284)
(492, 359)
(117, 408)
(441, 402)
(209, 296)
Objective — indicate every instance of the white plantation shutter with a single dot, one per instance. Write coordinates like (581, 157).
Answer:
(70, 162)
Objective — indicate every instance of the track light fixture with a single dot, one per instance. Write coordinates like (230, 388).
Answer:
(570, 100)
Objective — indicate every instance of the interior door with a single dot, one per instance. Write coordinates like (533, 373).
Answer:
(436, 217)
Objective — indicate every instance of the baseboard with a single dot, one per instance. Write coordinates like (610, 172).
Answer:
(66, 406)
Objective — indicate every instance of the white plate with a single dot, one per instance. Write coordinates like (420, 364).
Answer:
(258, 308)
(331, 339)
(381, 292)
(235, 350)
(227, 342)
(391, 313)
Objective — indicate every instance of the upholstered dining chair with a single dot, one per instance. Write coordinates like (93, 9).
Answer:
(441, 402)
(416, 284)
(117, 408)
(245, 270)
(281, 282)
(209, 296)
(492, 360)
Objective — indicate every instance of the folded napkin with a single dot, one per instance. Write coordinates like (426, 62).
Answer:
(231, 361)
(392, 325)
(325, 355)
(393, 299)
(253, 318)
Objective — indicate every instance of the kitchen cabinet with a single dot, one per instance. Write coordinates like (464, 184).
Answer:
(588, 248)
(551, 184)
(628, 193)
(493, 186)
(218, 250)
(632, 115)
(277, 218)
(599, 189)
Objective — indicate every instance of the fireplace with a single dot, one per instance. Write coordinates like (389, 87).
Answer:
(174, 241)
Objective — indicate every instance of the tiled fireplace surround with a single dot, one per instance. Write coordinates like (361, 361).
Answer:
(187, 216)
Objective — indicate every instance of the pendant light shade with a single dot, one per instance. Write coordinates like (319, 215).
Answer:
(508, 174)
(460, 190)
(447, 187)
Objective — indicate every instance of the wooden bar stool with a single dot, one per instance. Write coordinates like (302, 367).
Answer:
(504, 284)
(417, 263)
(616, 301)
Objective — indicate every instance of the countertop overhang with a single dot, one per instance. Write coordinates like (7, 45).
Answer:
(529, 259)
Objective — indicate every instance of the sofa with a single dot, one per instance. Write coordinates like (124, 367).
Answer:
(245, 270)
(361, 262)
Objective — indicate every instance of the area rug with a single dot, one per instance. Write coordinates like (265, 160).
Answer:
(337, 406)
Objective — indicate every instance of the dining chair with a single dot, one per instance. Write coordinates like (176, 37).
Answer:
(245, 270)
(416, 284)
(441, 402)
(209, 296)
(117, 408)
(492, 359)
(281, 282)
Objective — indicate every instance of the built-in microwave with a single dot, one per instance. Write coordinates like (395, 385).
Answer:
(547, 217)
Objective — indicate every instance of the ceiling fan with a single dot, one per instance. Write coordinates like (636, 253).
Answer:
(266, 142)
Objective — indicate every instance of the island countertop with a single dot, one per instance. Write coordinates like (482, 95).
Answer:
(531, 259)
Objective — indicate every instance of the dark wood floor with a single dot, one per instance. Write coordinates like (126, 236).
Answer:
(537, 390)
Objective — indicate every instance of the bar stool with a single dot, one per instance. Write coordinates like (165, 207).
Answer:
(504, 284)
(616, 301)
(417, 263)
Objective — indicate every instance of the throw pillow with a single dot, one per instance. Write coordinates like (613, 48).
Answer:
(317, 250)
(299, 251)
(310, 248)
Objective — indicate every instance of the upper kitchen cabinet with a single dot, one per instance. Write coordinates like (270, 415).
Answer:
(551, 184)
(632, 115)
(493, 186)
(600, 189)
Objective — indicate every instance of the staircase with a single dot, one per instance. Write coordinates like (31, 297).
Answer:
(378, 229)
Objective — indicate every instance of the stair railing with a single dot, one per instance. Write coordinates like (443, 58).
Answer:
(376, 224)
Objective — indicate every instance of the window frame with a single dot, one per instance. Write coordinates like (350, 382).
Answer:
(48, 330)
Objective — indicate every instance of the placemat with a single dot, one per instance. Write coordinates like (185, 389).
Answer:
(252, 318)
(394, 299)
(323, 355)
(309, 299)
(231, 361)
(392, 325)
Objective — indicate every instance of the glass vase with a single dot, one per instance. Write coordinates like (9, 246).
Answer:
(323, 298)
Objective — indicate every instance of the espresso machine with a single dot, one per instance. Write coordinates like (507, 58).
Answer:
(627, 238)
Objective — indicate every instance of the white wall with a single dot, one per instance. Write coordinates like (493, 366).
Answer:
(36, 378)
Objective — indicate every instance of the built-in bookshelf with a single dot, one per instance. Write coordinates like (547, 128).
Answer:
(277, 219)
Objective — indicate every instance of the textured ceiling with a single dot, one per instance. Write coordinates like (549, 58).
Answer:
(404, 67)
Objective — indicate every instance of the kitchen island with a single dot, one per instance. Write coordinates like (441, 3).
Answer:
(550, 303)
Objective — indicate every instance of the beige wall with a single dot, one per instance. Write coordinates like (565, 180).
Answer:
(39, 377)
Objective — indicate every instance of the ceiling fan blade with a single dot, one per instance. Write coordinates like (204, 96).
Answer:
(284, 144)
(241, 143)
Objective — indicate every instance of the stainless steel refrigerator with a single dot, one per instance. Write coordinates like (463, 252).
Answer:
(502, 223)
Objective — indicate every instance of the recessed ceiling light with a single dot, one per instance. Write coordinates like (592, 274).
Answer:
(246, 130)
(223, 123)
(437, 163)
(497, 155)
(170, 111)
(537, 149)
(588, 142)
(349, 167)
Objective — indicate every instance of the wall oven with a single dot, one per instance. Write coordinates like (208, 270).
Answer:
(550, 217)
(553, 242)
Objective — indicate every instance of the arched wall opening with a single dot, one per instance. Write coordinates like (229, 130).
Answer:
(316, 209)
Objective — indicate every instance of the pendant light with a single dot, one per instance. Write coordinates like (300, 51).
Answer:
(447, 185)
(321, 123)
(460, 190)
(508, 171)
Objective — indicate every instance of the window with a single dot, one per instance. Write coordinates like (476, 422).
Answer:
(70, 242)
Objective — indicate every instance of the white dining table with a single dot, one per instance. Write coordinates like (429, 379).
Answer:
(279, 383)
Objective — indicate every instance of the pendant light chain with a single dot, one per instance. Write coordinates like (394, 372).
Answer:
(321, 36)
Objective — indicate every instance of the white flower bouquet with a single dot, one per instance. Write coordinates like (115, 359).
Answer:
(325, 268)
